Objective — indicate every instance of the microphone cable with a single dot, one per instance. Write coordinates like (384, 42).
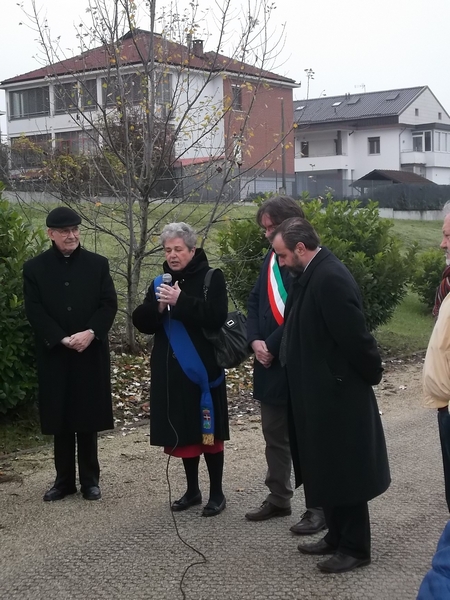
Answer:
(203, 560)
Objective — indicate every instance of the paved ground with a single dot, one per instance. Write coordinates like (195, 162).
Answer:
(126, 546)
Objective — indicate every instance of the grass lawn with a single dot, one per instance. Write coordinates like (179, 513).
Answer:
(409, 329)
(428, 234)
(20, 430)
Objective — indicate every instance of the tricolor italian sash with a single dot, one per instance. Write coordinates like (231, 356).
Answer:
(277, 291)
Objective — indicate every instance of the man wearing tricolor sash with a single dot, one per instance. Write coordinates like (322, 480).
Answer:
(265, 328)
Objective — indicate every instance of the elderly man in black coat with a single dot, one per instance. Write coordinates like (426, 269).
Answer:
(337, 440)
(70, 302)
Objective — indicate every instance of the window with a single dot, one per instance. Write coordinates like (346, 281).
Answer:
(164, 94)
(440, 141)
(416, 112)
(88, 94)
(337, 103)
(440, 116)
(236, 103)
(421, 141)
(31, 151)
(132, 89)
(304, 149)
(74, 142)
(164, 89)
(418, 143)
(29, 103)
(374, 145)
(66, 97)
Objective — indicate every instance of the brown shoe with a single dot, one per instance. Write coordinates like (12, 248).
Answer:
(310, 523)
(266, 511)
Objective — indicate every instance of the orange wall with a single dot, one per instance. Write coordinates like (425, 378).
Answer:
(259, 124)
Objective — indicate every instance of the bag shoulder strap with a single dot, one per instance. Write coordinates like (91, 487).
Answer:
(207, 281)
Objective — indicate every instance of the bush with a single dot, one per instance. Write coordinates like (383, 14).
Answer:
(427, 275)
(18, 242)
(356, 235)
(242, 248)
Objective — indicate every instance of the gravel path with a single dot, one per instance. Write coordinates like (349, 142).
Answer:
(125, 546)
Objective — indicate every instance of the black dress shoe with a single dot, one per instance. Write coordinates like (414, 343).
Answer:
(55, 493)
(320, 547)
(184, 502)
(212, 508)
(267, 510)
(91, 493)
(310, 523)
(341, 563)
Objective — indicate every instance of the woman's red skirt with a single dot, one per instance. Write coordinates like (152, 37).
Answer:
(194, 450)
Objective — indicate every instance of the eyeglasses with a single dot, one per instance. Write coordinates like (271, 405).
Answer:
(66, 232)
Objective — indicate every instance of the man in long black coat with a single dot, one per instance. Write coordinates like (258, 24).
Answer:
(70, 302)
(337, 439)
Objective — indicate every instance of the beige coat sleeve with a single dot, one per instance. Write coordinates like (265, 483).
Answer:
(436, 369)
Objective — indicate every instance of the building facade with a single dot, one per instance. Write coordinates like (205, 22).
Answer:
(219, 112)
(340, 139)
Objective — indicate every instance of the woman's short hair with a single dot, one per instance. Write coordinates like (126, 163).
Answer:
(179, 230)
(279, 208)
(297, 230)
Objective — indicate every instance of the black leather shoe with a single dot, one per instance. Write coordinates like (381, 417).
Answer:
(55, 493)
(341, 563)
(91, 493)
(320, 547)
(267, 510)
(212, 508)
(310, 523)
(184, 503)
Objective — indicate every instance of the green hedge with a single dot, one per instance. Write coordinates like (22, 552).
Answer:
(18, 242)
(427, 275)
(357, 236)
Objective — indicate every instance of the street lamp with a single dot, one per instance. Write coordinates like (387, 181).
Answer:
(283, 150)
(310, 75)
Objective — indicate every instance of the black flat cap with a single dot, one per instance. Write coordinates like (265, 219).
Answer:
(62, 217)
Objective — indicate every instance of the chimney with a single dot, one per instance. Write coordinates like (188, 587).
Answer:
(197, 48)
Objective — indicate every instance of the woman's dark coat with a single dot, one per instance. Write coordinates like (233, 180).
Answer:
(337, 440)
(269, 385)
(63, 296)
(171, 391)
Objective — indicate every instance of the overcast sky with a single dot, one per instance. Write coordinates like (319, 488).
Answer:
(348, 43)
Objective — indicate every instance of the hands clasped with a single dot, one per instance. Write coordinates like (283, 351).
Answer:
(262, 354)
(78, 341)
(168, 294)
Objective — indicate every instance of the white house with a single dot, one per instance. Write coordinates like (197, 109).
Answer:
(340, 139)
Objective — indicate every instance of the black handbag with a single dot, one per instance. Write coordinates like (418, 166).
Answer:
(230, 341)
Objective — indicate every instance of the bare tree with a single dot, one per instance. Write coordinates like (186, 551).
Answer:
(156, 121)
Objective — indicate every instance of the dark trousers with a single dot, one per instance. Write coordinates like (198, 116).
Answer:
(65, 446)
(349, 529)
(274, 422)
(444, 435)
